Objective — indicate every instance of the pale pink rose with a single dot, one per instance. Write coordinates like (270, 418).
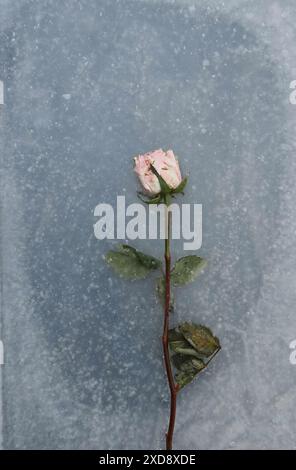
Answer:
(166, 165)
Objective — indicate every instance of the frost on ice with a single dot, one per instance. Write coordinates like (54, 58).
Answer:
(88, 85)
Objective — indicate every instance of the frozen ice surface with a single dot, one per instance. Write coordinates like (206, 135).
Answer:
(87, 85)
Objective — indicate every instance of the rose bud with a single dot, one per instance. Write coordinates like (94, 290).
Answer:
(165, 164)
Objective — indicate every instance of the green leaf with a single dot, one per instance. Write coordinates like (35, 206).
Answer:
(183, 349)
(192, 347)
(187, 269)
(130, 263)
(184, 364)
(187, 369)
(126, 266)
(147, 260)
(178, 344)
(175, 335)
(181, 187)
(184, 378)
(200, 338)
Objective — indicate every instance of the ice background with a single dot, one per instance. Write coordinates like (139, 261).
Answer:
(88, 84)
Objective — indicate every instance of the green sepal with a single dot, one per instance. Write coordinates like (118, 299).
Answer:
(181, 187)
(154, 200)
(164, 187)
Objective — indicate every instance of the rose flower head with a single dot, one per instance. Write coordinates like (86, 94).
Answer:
(165, 164)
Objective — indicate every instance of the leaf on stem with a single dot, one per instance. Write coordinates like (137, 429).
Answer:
(147, 260)
(179, 345)
(187, 369)
(130, 263)
(200, 338)
(192, 347)
(187, 269)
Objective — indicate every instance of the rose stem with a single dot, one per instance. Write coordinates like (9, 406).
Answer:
(165, 336)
